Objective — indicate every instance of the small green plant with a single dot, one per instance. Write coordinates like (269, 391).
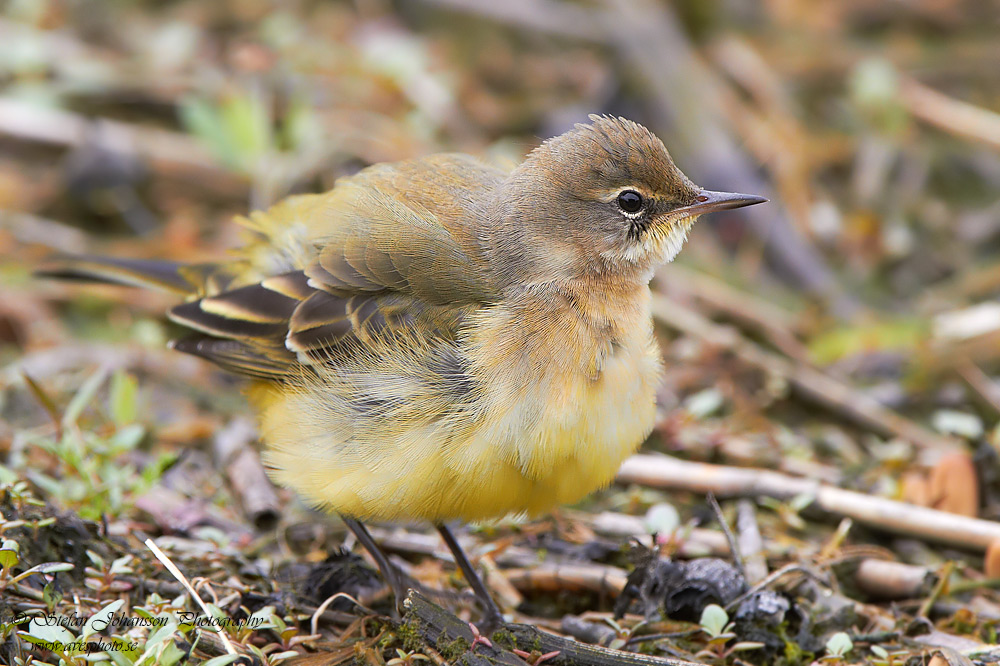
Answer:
(102, 577)
(240, 130)
(91, 468)
(621, 634)
(837, 648)
(885, 658)
(19, 494)
(87, 645)
(789, 511)
(10, 558)
(404, 658)
(715, 623)
(288, 634)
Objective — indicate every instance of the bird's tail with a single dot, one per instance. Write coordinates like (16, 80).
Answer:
(151, 273)
(172, 276)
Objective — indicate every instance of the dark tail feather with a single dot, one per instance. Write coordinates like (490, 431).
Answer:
(164, 275)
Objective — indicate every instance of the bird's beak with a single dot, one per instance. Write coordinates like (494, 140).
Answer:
(709, 201)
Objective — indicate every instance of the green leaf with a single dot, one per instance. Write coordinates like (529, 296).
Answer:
(127, 438)
(100, 620)
(160, 634)
(222, 660)
(202, 119)
(301, 128)
(902, 335)
(44, 629)
(142, 612)
(714, 619)
(839, 644)
(124, 389)
(247, 123)
(704, 403)
(84, 396)
(96, 559)
(121, 654)
(880, 651)
(9, 554)
(266, 618)
(170, 655)
(801, 501)
(51, 596)
(662, 518)
(953, 422)
(43, 568)
(121, 565)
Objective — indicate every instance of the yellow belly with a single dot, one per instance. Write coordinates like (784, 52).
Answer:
(583, 433)
(549, 445)
(556, 401)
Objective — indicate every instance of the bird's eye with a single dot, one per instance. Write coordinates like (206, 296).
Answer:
(630, 201)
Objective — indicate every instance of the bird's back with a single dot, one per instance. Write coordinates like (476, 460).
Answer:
(393, 246)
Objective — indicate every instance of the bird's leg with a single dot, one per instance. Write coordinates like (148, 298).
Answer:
(392, 575)
(492, 617)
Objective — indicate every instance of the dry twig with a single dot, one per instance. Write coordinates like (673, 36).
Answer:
(886, 514)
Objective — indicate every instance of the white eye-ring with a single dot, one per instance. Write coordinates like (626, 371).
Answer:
(631, 203)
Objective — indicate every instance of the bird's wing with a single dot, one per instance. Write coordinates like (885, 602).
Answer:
(393, 246)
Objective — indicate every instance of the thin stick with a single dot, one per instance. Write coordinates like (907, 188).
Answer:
(751, 542)
(551, 577)
(746, 308)
(770, 580)
(950, 114)
(172, 568)
(925, 608)
(734, 546)
(886, 514)
(314, 622)
(987, 389)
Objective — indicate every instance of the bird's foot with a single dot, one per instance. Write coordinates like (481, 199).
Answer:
(534, 658)
(478, 638)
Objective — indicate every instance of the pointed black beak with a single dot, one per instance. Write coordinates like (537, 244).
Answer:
(709, 201)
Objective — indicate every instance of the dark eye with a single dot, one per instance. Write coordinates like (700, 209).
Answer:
(630, 201)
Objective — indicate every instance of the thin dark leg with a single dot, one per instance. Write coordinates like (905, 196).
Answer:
(492, 617)
(390, 573)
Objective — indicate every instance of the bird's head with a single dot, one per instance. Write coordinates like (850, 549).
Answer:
(604, 198)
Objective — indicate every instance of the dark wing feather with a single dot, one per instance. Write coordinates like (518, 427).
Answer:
(319, 321)
(390, 247)
(261, 332)
(272, 362)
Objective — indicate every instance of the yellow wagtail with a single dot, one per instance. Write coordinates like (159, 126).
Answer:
(437, 339)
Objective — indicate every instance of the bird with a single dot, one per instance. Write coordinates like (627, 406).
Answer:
(439, 339)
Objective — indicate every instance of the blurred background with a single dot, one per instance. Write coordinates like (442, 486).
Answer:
(848, 331)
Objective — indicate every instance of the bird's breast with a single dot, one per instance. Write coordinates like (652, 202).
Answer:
(548, 406)
(563, 403)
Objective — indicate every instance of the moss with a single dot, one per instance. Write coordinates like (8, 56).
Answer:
(504, 639)
(409, 634)
(451, 650)
(794, 654)
(388, 638)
